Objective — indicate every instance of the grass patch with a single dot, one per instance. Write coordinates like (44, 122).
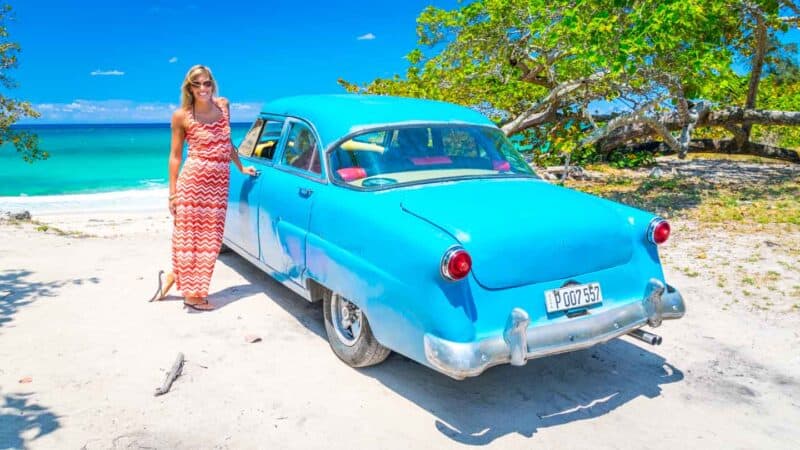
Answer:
(738, 158)
(772, 276)
(689, 272)
(46, 228)
(750, 201)
(754, 258)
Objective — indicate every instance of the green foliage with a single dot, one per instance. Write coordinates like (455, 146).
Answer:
(509, 57)
(12, 110)
(631, 159)
(780, 94)
(621, 159)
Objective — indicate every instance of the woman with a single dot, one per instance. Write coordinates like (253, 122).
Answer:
(198, 197)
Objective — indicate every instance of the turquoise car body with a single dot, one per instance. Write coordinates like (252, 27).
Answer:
(382, 248)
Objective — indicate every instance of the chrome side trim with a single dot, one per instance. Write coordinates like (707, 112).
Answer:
(520, 341)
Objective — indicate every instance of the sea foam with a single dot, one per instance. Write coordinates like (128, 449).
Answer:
(131, 200)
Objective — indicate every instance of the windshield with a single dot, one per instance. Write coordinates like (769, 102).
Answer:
(418, 154)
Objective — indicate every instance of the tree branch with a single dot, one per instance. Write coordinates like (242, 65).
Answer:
(547, 105)
(620, 121)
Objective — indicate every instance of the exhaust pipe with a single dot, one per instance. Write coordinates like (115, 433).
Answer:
(644, 336)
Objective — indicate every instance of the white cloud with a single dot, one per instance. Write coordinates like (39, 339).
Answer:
(366, 37)
(174, 59)
(124, 111)
(115, 72)
(245, 106)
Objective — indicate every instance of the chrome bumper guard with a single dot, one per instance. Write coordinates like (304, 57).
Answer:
(519, 343)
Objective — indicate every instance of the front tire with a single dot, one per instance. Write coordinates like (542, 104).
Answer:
(349, 332)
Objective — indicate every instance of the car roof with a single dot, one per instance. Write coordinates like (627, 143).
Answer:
(335, 116)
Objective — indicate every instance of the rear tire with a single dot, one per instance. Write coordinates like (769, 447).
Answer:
(350, 334)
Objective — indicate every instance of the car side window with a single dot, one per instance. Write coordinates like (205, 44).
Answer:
(268, 140)
(302, 149)
(248, 144)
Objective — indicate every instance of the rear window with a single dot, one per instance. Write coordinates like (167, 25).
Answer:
(398, 156)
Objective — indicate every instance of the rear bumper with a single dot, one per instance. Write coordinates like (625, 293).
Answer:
(520, 342)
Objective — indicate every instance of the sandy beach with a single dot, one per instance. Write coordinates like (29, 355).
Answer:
(81, 352)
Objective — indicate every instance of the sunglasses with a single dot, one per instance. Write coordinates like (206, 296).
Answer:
(197, 84)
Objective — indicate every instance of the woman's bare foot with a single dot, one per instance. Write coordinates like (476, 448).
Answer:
(170, 281)
(164, 285)
(197, 303)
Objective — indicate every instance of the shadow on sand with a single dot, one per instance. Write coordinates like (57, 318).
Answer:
(503, 400)
(17, 291)
(21, 421)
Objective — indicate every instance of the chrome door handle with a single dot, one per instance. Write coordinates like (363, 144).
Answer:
(305, 192)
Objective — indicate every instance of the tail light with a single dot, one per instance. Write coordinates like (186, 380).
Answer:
(658, 232)
(456, 264)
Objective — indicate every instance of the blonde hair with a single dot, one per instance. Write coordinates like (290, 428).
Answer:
(187, 99)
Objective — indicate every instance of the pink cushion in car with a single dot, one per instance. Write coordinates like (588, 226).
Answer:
(428, 160)
(352, 173)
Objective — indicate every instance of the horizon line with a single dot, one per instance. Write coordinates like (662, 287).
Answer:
(28, 124)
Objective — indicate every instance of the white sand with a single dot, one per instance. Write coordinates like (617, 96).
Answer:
(73, 318)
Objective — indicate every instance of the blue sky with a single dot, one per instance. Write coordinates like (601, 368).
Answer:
(123, 61)
(115, 61)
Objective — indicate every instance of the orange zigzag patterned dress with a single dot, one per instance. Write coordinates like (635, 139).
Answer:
(202, 199)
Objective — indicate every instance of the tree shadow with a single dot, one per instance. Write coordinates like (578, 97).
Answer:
(505, 399)
(20, 417)
(684, 185)
(17, 291)
(733, 172)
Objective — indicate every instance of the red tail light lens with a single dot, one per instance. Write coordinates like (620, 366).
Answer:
(456, 264)
(658, 233)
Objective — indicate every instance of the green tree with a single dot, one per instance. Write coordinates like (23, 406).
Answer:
(660, 69)
(12, 110)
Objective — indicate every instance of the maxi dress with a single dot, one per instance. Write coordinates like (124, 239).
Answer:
(202, 200)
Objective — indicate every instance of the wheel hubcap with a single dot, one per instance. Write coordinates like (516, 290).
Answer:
(346, 320)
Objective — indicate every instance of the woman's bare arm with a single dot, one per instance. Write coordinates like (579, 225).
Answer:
(175, 153)
(234, 152)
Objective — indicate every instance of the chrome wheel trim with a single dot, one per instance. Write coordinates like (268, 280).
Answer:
(347, 320)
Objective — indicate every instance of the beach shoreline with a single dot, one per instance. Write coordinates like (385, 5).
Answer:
(106, 215)
(121, 201)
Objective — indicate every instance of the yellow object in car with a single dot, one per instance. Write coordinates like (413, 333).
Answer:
(352, 145)
(261, 147)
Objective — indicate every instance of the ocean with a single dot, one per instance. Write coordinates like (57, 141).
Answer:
(90, 159)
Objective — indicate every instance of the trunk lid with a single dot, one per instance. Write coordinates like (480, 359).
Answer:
(523, 231)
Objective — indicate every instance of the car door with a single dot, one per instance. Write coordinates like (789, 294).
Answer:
(257, 149)
(288, 199)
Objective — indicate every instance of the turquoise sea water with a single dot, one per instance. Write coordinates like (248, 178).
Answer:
(92, 158)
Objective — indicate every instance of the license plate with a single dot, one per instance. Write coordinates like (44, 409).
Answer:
(571, 297)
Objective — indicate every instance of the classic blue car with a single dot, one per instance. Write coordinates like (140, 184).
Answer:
(424, 232)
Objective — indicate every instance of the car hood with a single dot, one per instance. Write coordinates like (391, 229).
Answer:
(523, 231)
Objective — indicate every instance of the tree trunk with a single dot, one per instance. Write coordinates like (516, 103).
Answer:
(755, 67)
(724, 146)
